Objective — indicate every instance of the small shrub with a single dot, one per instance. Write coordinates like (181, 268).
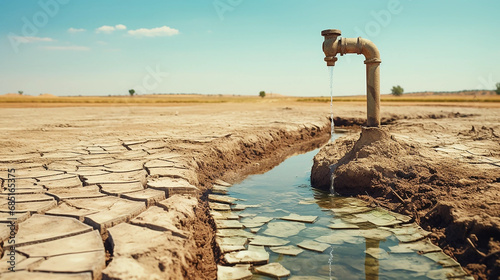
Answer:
(397, 90)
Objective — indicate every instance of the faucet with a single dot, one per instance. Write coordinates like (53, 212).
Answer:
(334, 45)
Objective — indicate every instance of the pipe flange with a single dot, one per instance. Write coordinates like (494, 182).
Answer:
(373, 60)
(330, 60)
(343, 46)
(331, 32)
(359, 46)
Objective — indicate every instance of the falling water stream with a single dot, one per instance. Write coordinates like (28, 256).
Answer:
(330, 70)
(332, 168)
(356, 241)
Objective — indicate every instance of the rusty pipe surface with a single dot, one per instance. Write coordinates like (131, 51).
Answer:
(334, 45)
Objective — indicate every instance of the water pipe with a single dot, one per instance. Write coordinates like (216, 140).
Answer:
(334, 45)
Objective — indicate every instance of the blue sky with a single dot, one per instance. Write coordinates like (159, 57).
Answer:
(76, 47)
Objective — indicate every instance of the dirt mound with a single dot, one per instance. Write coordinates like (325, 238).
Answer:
(356, 169)
(47, 95)
(436, 191)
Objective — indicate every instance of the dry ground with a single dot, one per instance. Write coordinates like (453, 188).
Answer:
(194, 145)
(231, 140)
(439, 165)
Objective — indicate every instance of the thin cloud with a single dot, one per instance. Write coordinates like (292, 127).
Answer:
(31, 39)
(67, 48)
(154, 32)
(105, 29)
(120, 27)
(76, 30)
(109, 29)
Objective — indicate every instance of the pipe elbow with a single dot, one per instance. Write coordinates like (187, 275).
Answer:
(369, 50)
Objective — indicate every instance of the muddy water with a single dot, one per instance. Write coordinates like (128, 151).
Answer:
(351, 253)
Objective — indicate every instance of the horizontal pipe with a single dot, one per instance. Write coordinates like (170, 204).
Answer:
(359, 46)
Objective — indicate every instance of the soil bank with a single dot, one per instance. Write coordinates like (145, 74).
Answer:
(440, 167)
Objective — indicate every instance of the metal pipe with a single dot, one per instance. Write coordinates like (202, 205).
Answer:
(334, 45)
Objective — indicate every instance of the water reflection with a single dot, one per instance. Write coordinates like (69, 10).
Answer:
(358, 248)
(371, 263)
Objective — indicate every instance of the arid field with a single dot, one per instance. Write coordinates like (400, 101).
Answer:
(70, 152)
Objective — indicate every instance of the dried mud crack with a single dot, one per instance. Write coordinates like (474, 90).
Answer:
(121, 192)
(121, 207)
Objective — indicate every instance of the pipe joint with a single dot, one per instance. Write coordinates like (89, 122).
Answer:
(373, 61)
(350, 46)
(359, 45)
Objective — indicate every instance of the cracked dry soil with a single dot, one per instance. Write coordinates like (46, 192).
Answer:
(137, 177)
(230, 141)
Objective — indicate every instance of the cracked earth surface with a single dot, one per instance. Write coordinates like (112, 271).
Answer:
(121, 192)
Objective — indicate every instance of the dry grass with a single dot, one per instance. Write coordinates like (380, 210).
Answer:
(14, 100)
(151, 99)
(414, 98)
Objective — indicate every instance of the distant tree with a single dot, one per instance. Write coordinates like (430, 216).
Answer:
(498, 88)
(131, 92)
(20, 92)
(397, 90)
(262, 94)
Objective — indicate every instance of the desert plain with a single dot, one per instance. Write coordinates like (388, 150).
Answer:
(120, 190)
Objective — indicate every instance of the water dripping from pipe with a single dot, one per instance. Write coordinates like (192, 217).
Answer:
(332, 179)
(330, 69)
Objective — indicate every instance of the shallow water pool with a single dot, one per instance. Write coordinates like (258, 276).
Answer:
(359, 242)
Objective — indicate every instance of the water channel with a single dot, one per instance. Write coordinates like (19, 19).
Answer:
(347, 240)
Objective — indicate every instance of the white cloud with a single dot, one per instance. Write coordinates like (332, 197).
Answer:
(120, 27)
(28, 39)
(109, 29)
(76, 30)
(154, 32)
(67, 48)
(102, 43)
(105, 29)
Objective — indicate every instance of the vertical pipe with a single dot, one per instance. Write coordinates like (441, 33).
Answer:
(373, 93)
